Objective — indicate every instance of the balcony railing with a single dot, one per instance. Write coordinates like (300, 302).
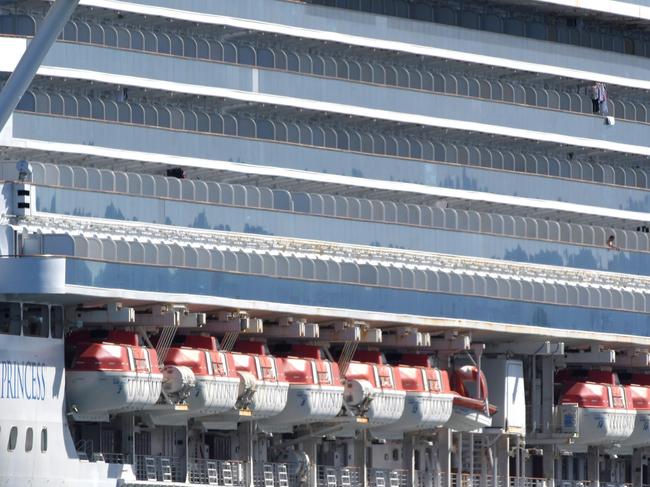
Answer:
(228, 473)
(329, 60)
(328, 476)
(160, 469)
(341, 133)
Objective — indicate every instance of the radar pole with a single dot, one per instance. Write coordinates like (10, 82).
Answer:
(28, 65)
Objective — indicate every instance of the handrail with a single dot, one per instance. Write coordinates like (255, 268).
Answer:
(389, 212)
(370, 267)
(417, 77)
(413, 146)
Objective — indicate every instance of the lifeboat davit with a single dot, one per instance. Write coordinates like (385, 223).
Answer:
(112, 376)
(600, 409)
(429, 399)
(217, 380)
(470, 413)
(373, 389)
(638, 393)
(315, 389)
(263, 391)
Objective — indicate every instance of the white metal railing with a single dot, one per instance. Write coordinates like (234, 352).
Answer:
(281, 54)
(384, 211)
(381, 477)
(422, 144)
(275, 475)
(225, 473)
(160, 468)
(420, 271)
(329, 476)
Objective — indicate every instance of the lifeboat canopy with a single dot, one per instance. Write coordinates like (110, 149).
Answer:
(598, 409)
(111, 376)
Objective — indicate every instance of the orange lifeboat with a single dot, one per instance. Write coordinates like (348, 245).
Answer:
(263, 389)
(373, 389)
(315, 389)
(115, 375)
(598, 409)
(216, 378)
(429, 399)
(639, 394)
(470, 413)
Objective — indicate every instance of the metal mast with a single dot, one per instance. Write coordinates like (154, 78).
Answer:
(28, 65)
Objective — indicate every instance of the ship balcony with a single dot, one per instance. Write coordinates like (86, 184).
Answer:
(135, 261)
(331, 60)
(528, 40)
(287, 137)
(471, 227)
(558, 114)
(58, 140)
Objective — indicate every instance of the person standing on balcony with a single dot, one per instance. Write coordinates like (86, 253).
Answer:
(603, 106)
(593, 92)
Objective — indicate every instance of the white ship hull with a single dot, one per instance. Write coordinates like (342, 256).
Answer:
(59, 465)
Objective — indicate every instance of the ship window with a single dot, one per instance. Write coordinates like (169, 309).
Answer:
(395, 454)
(56, 322)
(44, 440)
(10, 318)
(29, 439)
(13, 438)
(36, 321)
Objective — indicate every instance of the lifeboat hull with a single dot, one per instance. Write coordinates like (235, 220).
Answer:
(465, 418)
(641, 434)
(422, 411)
(213, 395)
(96, 394)
(310, 404)
(604, 426)
(386, 406)
(269, 399)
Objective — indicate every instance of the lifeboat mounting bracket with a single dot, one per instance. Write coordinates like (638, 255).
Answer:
(595, 356)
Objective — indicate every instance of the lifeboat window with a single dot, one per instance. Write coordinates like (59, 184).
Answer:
(44, 440)
(29, 440)
(129, 352)
(13, 438)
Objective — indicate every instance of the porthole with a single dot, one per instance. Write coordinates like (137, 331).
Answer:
(44, 440)
(13, 438)
(29, 439)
